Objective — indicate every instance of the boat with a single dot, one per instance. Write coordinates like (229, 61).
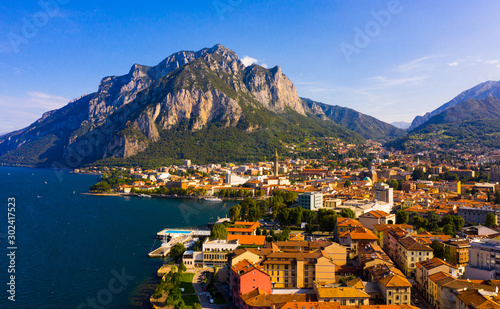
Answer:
(212, 199)
(143, 195)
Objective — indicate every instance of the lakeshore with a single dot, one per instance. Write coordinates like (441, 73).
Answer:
(187, 197)
(88, 237)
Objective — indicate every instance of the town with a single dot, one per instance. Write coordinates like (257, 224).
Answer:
(372, 229)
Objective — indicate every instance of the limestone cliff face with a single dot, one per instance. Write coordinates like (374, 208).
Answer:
(128, 113)
(273, 89)
(200, 107)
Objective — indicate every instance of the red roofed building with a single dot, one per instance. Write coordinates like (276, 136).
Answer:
(244, 278)
(373, 217)
(359, 237)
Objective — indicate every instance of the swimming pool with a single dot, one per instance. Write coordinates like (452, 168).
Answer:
(176, 232)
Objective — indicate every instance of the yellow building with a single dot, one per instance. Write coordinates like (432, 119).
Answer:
(459, 251)
(396, 289)
(410, 252)
(298, 269)
(343, 295)
(432, 288)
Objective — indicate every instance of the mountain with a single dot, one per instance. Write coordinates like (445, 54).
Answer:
(471, 121)
(366, 126)
(204, 105)
(401, 124)
(481, 91)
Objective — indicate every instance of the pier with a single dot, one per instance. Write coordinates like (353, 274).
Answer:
(170, 237)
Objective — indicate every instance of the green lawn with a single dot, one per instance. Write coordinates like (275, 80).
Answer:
(187, 283)
(190, 300)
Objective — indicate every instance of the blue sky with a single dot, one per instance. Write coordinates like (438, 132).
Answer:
(389, 59)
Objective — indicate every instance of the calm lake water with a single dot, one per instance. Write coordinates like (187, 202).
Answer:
(73, 249)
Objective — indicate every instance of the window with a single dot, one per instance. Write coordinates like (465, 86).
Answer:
(390, 293)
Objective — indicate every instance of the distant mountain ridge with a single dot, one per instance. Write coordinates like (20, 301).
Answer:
(481, 91)
(367, 126)
(473, 121)
(401, 124)
(203, 105)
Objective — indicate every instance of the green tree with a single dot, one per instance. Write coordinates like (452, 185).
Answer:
(417, 174)
(347, 184)
(218, 231)
(490, 220)
(284, 216)
(309, 216)
(197, 306)
(449, 229)
(402, 217)
(258, 231)
(177, 251)
(249, 210)
(182, 267)
(438, 249)
(234, 213)
(296, 215)
(496, 200)
(459, 222)
(347, 213)
(101, 186)
(328, 223)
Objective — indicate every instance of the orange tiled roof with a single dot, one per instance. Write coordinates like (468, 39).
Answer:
(336, 305)
(394, 280)
(248, 239)
(362, 233)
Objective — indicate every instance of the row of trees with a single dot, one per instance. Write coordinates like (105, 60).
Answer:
(448, 225)
(172, 191)
(240, 193)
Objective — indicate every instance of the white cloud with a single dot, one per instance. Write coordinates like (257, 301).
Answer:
(19, 112)
(384, 82)
(492, 61)
(248, 61)
(453, 64)
(420, 64)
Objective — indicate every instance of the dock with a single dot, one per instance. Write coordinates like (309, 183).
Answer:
(170, 237)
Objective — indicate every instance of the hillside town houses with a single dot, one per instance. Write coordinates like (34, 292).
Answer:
(375, 257)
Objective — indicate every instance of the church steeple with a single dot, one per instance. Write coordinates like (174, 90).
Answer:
(276, 162)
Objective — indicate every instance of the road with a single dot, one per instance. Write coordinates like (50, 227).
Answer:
(202, 295)
(418, 300)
